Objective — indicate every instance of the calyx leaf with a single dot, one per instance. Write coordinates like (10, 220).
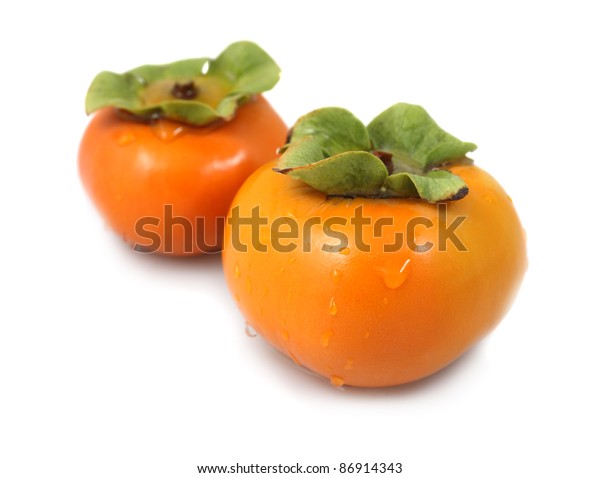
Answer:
(399, 155)
(435, 186)
(335, 129)
(407, 131)
(357, 171)
(215, 87)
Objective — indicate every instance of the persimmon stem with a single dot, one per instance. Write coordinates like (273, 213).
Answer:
(386, 159)
(185, 91)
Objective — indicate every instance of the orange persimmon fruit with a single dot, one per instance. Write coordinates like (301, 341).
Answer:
(169, 146)
(378, 257)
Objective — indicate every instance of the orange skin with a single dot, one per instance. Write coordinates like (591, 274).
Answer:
(376, 319)
(133, 169)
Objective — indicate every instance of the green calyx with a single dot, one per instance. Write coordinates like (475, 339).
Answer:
(196, 91)
(402, 153)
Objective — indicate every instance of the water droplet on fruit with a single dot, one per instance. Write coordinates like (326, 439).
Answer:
(325, 338)
(125, 138)
(344, 251)
(292, 260)
(236, 271)
(396, 277)
(337, 382)
(248, 285)
(332, 307)
(285, 335)
(349, 364)
(168, 130)
(385, 300)
(490, 197)
(367, 334)
(250, 332)
(335, 276)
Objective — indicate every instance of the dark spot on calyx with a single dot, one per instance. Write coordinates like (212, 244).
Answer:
(386, 159)
(288, 138)
(283, 170)
(184, 91)
(461, 193)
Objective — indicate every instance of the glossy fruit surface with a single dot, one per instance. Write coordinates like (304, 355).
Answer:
(375, 317)
(161, 176)
(170, 144)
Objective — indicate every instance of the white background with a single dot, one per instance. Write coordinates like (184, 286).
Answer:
(123, 365)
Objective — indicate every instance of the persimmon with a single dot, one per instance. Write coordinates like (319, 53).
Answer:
(373, 256)
(168, 146)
